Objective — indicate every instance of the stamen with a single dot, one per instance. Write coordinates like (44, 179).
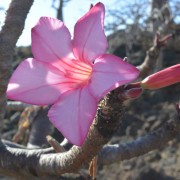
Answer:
(78, 72)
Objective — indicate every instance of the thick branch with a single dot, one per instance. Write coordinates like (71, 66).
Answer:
(10, 144)
(18, 159)
(105, 124)
(9, 35)
(154, 140)
(16, 106)
(40, 163)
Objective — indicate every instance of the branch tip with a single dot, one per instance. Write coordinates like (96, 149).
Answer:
(57, 147)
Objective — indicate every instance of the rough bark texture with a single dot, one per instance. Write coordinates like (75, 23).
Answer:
(20, 162)
(154, 140)
(35, 164)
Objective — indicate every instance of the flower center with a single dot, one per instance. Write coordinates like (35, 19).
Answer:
(78, 73)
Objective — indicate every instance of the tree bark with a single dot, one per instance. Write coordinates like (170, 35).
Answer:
(12, 29)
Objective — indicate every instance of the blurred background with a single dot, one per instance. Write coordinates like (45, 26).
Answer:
(131, 26)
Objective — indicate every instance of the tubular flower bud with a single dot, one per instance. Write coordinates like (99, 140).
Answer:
(162, 78)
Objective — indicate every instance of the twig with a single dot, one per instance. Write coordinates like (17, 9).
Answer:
(152, 55)
(57, 147)
(93, 168)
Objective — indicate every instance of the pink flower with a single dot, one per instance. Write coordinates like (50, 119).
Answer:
(162, 78)
(71, 75)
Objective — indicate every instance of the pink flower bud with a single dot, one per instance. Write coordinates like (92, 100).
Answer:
(162, 78)
(131, 93)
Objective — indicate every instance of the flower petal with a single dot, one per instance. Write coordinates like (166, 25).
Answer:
(73, 114)
(110, 72)
(35, 82)
(89, 38)
(51, 41)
